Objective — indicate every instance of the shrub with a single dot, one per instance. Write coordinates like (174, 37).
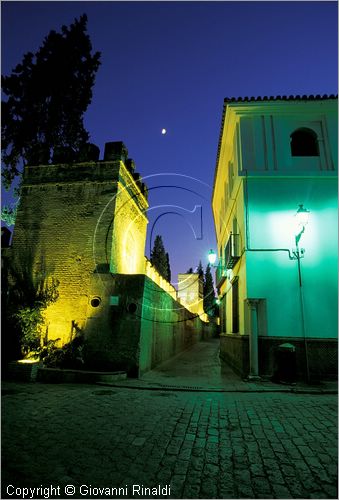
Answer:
(68, 356)
(30, 321)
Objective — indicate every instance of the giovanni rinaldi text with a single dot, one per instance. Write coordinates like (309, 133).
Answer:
(134, 490)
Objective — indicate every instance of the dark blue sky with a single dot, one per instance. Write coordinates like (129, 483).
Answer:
(170, 64)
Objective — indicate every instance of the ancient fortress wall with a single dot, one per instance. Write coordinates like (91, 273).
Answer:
(137, 325)
(85, 225)
(64, 229)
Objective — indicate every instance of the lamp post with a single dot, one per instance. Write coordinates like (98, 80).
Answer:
(212, 257)
(301, 221)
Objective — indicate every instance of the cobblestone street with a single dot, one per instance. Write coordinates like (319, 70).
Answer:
(202, 444)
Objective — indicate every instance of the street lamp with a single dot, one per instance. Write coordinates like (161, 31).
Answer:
(212, 257)
(220, 267)
(301, 221)
(301, 218)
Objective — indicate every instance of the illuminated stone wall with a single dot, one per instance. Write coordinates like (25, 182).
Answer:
(85, 226)
(137, 325)
(153, 274)
(190, 293)
(68, 217)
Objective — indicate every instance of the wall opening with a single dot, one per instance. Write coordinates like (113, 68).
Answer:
(95, 302)
(132, 308)
(304, 142)
(235, 305)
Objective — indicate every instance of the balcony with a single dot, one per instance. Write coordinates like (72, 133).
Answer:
(232, 251)
(220, 274)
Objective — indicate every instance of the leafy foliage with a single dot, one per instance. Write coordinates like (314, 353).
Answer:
(31, 321)
(48, 94)
(28, 297)
(160, 259)
(8, 214)
(68, 356)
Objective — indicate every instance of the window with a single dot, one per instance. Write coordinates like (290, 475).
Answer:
(230, 179)
(223, 314)
(304, 142)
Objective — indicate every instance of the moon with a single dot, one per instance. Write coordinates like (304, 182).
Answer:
(163, 131)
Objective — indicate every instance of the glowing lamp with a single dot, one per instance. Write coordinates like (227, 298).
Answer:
(301, 221)
(302, 217)
(212, 257)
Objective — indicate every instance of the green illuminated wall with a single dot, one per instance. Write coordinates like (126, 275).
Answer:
(271, 207)
(259, 183)
(143, 327)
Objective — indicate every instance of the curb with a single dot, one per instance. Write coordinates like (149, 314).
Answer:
(291, 390)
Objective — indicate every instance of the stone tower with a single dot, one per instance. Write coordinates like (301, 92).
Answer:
(76, 222)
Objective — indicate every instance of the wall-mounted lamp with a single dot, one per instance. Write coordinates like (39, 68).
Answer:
(212, 257)
(221, 269)
(301, 221)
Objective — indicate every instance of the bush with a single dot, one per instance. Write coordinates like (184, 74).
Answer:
(68, 356)
(30, 292)
(30, 320)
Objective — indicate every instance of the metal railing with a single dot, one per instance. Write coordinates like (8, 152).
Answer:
(232, 251)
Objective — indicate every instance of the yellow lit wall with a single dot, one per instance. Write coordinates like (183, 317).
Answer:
(129, 227)
(67, 219)
(152, 273)
(190, 293)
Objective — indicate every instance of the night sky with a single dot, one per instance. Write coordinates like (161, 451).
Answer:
(170, 65)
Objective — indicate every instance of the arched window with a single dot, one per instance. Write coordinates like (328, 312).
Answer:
(304, 142)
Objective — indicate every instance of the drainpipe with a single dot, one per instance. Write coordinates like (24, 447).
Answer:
(253, 339)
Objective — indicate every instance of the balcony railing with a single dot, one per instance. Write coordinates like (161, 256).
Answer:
(232, 251)
(220, 274)
(232, 255)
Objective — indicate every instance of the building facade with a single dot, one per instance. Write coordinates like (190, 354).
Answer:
(277, 282)
(191, 293)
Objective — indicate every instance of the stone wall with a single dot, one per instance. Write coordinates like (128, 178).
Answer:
(84, 225)
(64, 230)
(190, 293)
(137, 325)
(322, 355)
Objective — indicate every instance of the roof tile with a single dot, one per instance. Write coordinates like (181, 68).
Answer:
(291, 97)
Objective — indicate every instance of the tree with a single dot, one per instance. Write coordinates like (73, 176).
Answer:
(168, 271)
(47, 96)
(8, 214)
(200, 270)
(209, 296)
(158, 257)
(190, 271)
